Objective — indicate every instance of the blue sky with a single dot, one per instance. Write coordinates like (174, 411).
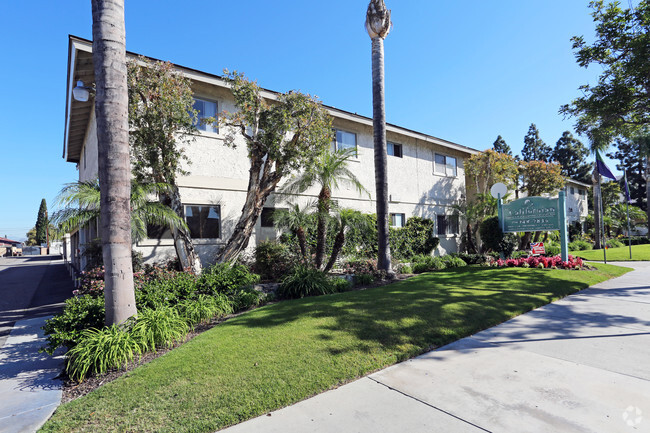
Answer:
(462, 71)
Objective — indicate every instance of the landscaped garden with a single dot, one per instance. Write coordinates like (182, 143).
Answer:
(282, 353)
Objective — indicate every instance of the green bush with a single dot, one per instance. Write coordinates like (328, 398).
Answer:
(160, 327)
(472, 259)
(226, 279)
(204, 308)
(614, 243)
(164, 288)
(416, 237)
(519, 254)
(340, 284)
(363, 279)
(580, 245)
(100, 350)
(491, 233)
(552, 249)
(406, 269)
(246, 298)
(303, 281)
(453, 261)
(423, 263)
(508, 243)
(273, 260)
(66, 328)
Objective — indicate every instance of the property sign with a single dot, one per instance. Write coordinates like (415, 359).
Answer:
(537, 248)
(531, 214)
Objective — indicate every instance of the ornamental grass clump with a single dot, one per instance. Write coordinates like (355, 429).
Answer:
(204, 308)
(304, 281)
(160, 327)
(101, 350)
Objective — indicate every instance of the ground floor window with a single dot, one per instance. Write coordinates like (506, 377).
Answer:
(204, 221)
(447, 225)
(397, 219)
(266, 218)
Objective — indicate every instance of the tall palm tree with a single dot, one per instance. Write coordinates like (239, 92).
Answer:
(111, 112)
(378, 25)
(330, 172)
(81, 204)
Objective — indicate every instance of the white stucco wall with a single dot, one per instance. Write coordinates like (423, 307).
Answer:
(218, 175)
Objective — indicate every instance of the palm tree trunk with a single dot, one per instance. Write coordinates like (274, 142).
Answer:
(302, 242)
(336, 249)
(111, 109)
(324, 198)
(381, 169)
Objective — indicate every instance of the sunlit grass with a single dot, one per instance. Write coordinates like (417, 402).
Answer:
(283, 353)
(639, 252)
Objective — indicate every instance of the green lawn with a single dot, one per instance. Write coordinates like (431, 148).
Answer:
(639, 252)
(283, 353)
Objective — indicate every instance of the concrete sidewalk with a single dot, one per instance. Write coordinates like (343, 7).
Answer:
(581, 364)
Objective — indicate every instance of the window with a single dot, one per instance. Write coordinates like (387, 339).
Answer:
(397, 219)
(445, 165)
(266, 219)
(582, 191)
(345, 140)
(204, 110)
(394, 149)
(204, 221)
(572, 190)
(158, 232)
(447, 225)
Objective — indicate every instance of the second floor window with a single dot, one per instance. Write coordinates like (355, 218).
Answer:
(394, 149)
(206, 109)
(345, 140)
(445, 165)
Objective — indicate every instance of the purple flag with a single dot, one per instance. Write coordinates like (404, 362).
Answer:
(627, 188)
(602, 168)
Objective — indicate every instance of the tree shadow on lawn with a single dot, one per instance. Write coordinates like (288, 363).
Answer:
(424, 312)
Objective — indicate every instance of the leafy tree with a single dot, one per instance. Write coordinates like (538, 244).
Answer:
(281, 137)
(501, 146)
(81, 204)
(631, 157)
(161, 122)
(486, 168)
(572, 155)
(541, 177)
(31, 237)
(42, 224)
(378, 25)
(111, 113)
(534, 147)
(618, 217)
(330, 171)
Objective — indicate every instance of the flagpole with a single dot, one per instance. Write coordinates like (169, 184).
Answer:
(627, 200)
(602, 223)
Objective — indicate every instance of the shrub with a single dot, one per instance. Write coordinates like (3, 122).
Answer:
(580, 245)
(66, 328)
(100, 350)
(508, 243)
(418, 268)
(363, 279)
(551, 249)
(303, 281)
(340, 284)
(614, 243)
(360, 267)
(428, 263)
(416, 237)
(273, 260)
(160, 327)
(204, 308)
(472, 259)
(161, 287)
(406, 269)
(226, 279)
(243, 299)
(491, 233)
(453, 261)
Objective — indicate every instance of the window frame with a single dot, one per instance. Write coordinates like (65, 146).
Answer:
(202, 127)
(399, 146)
(392, 219)
(447, 225)
(220, 225)
(446, 165)
(336, 141)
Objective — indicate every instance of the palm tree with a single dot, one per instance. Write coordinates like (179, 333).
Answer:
(344, 219)
(618, 217)
(295, 219)
(82, 204)
(330, 172)
(111, 112)
(378, 25)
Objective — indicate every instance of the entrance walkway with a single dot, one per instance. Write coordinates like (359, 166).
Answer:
(581, 364)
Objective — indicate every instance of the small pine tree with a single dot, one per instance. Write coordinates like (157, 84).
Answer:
(41, 224)
(572, 155)
(534, 147)
(501, 146)
(631, 157)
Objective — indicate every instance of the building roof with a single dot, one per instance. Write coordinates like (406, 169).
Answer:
(575, 182)
(78, 114)
(8, 241)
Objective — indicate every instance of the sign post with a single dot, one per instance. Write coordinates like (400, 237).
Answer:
(564, 244)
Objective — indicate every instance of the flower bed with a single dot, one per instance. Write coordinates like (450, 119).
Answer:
(541, 262)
